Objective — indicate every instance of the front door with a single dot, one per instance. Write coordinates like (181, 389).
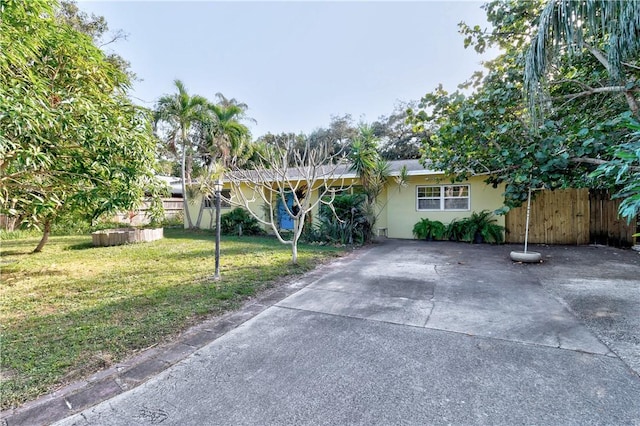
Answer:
(284, 218)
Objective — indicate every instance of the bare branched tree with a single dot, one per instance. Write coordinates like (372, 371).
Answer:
(283, 184)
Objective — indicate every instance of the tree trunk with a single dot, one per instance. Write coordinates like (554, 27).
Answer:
(45, 237)
(202, 202)
(628, 94)
(200, 211)
(185, 201)
(632, 102)
(217, 270)
(294, 251)
(189, 168)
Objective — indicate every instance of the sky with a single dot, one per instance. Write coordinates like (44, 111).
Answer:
(295, 64)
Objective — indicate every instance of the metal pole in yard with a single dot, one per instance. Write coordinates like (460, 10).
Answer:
(526, 226)
(218, 190)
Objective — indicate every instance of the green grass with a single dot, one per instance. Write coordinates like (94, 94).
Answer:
(74, 309)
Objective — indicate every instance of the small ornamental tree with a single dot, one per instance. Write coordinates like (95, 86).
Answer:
(284, 172)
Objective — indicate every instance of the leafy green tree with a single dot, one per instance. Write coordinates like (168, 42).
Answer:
(489, 131)
(223, 101)
(398, 139)
(178, 112)
(225, 137)
(286, 141)
(225, 141)
(337, 137)
(97, 28)
(71, 140)
(608, 32)
(624, 168)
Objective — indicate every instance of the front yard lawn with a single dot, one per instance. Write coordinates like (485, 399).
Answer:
(75, 309)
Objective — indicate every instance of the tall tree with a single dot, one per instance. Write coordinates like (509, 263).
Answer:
(225, 137)
(223, 101)
(337, 137)
(609, 32)
(224, 143)
(97, 28)
(179, 111)
(488, 131)
(372, 170)
(398, 138)
(606, 29)
(71, 141)
(283, 141)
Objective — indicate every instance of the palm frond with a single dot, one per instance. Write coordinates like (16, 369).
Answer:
(574, 25)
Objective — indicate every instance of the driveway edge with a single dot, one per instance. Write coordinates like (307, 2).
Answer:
(136, 370)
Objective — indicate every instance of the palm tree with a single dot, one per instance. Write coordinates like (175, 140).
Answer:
(223, 101)
(577, 25)
(180, 110)
(372, 171)
(225, 135)
(223, 143)
(364, 155)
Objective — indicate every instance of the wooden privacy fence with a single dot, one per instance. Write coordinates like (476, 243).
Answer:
(172, 207)
(570, 216)
(605, 225)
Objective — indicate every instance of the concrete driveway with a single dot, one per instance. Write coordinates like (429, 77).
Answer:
(410, 332)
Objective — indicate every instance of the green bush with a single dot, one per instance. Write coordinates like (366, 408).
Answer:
(239, 222)
(176, 221)
(427, 229)
(115, 225)
(18, 234)
(345, 223)
(71, 224)
(456, 230)
(482, 227)
(479, 227)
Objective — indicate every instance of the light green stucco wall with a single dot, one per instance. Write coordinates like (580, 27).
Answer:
(256, 206)
(208, 214)
(397, 208)
(399, 211)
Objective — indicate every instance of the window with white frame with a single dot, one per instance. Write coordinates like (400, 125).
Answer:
(442, 197)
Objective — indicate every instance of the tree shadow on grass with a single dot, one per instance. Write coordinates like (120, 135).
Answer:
(15, 252)
(81, 246)
(207, 235)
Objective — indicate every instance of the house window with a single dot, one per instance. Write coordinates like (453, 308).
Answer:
(443, 197)
(210, 202)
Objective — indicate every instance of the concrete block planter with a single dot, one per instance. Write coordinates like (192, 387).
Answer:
(120, 236)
